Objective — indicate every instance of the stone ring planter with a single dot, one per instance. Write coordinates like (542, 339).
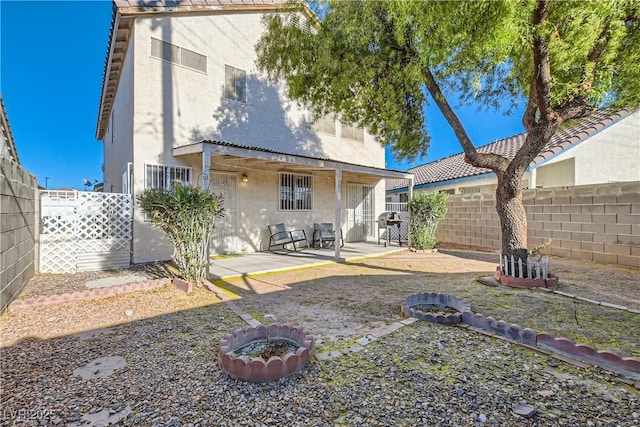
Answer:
(519, 282)
(410, 304)
(256, 369)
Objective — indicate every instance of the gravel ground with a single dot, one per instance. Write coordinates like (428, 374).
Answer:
(47, 284)
(422, 374)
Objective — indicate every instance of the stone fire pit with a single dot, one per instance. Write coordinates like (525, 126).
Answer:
(264, 338)
(436, 308)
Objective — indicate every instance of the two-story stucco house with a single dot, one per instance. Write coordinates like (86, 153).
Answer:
(182, 101)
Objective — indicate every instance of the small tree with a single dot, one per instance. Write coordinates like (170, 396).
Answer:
(427, 210)
(379, 63)
(187, 215)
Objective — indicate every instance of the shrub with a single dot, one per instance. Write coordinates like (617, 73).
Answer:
(426, 211)
(187, 215)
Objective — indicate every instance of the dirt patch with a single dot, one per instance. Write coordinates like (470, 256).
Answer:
(341, 302)
(64, 319)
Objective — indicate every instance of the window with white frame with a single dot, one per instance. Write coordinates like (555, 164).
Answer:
(235, 84)
(352, 132)
(178, 55)
(296, 192)
(160, 176)
(325, 124)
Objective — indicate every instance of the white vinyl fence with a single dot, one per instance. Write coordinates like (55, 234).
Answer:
(84, 231)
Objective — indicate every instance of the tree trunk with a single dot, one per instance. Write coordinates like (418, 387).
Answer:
(513, 223)
(513, 219)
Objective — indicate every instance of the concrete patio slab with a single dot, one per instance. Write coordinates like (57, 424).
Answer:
(267, 262)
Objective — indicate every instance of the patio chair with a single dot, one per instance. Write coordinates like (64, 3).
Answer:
(383, 227)
(280, 236)
(325, 235)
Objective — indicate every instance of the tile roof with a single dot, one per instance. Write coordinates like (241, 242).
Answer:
(453, 167)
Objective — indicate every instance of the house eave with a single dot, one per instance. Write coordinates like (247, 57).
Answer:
(285, 160)
(118, 46)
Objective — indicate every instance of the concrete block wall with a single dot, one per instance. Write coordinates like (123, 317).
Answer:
(593, 222)
(19, 211)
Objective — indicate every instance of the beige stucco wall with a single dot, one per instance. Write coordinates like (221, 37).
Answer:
(612, 155)
(258, 205)
(593, 222)
(180, 105)
(172, 106)
(557, 174)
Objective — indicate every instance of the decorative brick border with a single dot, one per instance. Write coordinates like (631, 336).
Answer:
(525, 283)
(441, 300)
(628, 366)
(591, 301)
(623, 365)
(182, 285)
(213, 288)
(604, 358)
(257, 369)
(89, 294)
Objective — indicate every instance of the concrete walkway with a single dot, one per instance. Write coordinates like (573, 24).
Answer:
(267, 262)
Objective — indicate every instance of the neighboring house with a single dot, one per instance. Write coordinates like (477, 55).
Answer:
(603, 147)
(7, 143)
(182, 101)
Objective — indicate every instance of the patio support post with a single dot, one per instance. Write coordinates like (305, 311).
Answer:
(338, 221)
(206, 166)
(410, 196)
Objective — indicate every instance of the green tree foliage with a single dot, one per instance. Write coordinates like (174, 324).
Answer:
(377, 63)
(427, 210)
(187, 215)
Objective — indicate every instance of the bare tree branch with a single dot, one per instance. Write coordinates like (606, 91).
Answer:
(491, 161)
(529, 116)
(542, 63)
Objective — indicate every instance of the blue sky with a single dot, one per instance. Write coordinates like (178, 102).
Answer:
(52, 59)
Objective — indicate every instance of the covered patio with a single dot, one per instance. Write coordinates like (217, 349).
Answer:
(225, 267)
(338, 191)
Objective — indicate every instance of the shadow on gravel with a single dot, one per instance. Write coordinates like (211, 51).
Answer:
(171, 375)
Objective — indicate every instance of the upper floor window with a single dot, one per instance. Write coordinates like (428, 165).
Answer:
(295, 192)
(235, 84)
(352, 132)
(178, 55)
(160, 176)
(325, 124)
